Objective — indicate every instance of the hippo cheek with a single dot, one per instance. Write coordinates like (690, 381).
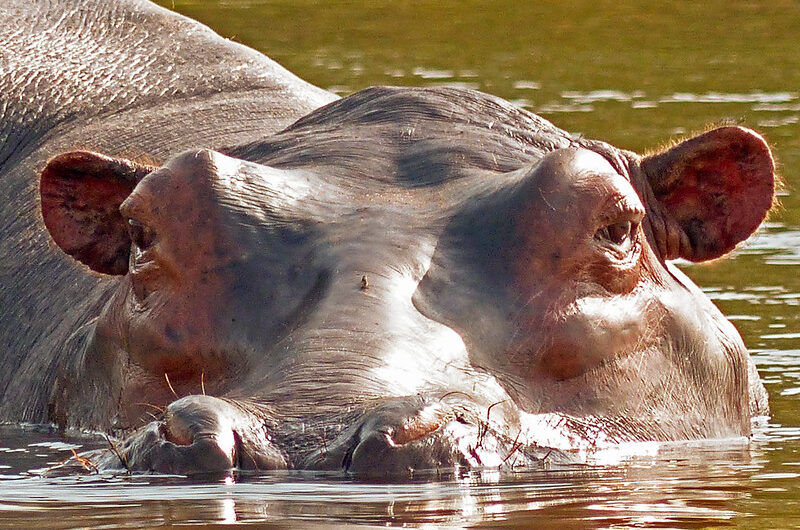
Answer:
(173, 347)
(597, 330)
(171, 333)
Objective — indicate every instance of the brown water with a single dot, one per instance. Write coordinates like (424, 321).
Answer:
(632, 73)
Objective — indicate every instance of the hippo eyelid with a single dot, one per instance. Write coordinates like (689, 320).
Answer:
(617, 228)
(620, 207)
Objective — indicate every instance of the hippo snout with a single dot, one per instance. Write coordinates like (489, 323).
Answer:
(198, 434)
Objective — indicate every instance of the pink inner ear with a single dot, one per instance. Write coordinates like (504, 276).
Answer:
(81, 194)
(720, 188)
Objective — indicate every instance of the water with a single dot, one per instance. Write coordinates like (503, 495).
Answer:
(685, 486)
(633, 74)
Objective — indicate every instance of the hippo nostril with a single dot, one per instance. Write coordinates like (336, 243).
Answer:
(347, 459)
(237, 457)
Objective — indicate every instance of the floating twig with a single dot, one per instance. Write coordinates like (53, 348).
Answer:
(122, 458)
(483, 427)
(85, 462)
(514, 448)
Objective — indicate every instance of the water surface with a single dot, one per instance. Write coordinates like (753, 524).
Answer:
(634, 74)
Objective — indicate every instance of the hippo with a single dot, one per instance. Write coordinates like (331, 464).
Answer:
(224, 267)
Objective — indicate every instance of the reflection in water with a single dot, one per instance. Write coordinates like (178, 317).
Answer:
(668, 72)
(778, 244)
(683, 485)
(717, 97)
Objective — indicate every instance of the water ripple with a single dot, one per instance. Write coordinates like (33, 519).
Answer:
(720, 97)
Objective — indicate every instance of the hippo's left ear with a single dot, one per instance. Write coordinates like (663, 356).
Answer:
(81, 193)
(717, 187)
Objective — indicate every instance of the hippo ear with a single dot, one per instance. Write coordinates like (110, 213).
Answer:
(81, 193)
(717, 187)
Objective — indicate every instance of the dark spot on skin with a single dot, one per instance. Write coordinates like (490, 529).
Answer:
(171, 334)
(364, 283)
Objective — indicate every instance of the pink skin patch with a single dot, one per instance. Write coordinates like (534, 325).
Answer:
(718, 187)
(81, 193)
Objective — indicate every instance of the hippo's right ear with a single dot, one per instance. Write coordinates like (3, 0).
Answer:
(81, 193)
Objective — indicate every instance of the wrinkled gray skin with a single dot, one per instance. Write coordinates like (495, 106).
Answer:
(126, 78)
(403, 279)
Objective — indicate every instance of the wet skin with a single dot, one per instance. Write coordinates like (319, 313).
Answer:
(401, 279)
(536, 286)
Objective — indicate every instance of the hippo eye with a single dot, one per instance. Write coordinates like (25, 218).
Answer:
(621, 234)
(618, 233)
(142, 236)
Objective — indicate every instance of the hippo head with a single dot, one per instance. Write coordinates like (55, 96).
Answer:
(399, 271)
(207, 277)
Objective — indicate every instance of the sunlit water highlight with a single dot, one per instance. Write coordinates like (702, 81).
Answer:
(611, 70)
(681, 485)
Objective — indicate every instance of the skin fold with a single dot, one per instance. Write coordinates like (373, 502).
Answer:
(402, 279)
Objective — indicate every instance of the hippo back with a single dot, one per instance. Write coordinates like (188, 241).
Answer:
(123, 77)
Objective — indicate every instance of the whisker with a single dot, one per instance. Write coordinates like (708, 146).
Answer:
(159, 409)
(170, 385)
